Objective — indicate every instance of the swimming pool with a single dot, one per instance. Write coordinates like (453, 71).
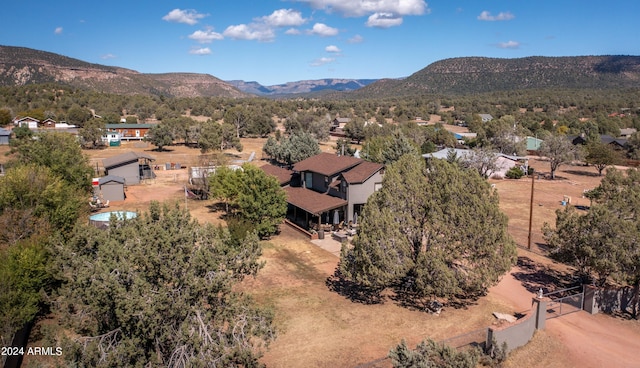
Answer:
(101, 220)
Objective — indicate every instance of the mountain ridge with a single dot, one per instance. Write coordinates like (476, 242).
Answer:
(483, 74)
(21, 65)
(302, 86)
(454, 76)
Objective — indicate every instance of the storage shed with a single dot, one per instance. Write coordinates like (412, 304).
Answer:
(132, 166)
(112, 188)
(4, 136)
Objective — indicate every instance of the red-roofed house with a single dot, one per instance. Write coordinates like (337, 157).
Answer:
(333, 189)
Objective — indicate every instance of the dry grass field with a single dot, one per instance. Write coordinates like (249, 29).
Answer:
(320, 328)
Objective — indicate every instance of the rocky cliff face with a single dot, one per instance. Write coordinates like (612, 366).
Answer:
(20, 66)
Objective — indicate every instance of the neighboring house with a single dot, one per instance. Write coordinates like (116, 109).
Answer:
(65, 126)
(533, 145)
(129, 131)
(333, 189)
(627, 132)
(111, 139)
(616, 143)
(48, 123)
(485, 117)
(461, 137)
(27, 121)
(112, 188)
(339, 123)
(132, 166)
(5, 136)
(503, 162)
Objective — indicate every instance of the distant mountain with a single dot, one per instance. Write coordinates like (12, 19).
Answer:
(20, 66)
(470, 75)
(302, 87)
(467, 75)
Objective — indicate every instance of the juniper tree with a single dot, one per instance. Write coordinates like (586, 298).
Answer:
(161, 135)
(260, 200)
(604, 242)
(601, 155)
(433, 231)
(158, 291)
(432, 354)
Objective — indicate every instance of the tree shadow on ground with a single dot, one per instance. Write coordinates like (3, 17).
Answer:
(410, 300)
(535, 276)
(353, 291)
(219, 207)
(164, 149)
(581, 173)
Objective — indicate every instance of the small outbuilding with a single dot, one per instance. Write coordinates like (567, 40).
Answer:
(132, 166)
(112, 188)
(5, 136)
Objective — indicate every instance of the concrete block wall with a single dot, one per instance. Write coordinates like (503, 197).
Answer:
(520, 332)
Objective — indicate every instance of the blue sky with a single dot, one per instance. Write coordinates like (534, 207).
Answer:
(278, 41)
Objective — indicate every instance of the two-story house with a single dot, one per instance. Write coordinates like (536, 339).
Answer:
(333, 189)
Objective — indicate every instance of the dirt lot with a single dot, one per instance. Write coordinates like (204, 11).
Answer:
(320, 328)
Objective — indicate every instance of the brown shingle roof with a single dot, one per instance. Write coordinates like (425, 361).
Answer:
(362, 172)
(281, 174)
(311, 201)
(327, 164)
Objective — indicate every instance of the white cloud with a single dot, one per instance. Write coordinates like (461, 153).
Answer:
(356, 39)
(108, 56)
(485, 15)
(58, 30)
(322, 61)
(188, 16)
(206, 36)
(332, 48)
(384, 20)
(509, 45)
(324, 30)
(200, 51)
(249, 32)
(353, 8)
(292, 31)
(284, 18)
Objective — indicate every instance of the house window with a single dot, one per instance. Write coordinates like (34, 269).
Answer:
(308, 180)
(344, 187)
(377, 186)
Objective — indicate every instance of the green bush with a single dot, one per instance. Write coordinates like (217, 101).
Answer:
(515, 173)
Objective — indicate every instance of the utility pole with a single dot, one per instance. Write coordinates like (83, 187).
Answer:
(533, 176)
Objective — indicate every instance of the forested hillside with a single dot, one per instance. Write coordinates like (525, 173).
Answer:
(470, 75)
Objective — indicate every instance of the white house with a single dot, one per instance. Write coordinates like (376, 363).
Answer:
(503, 162)
(111, 139)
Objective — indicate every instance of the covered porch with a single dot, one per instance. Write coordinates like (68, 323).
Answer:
(312, 211)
